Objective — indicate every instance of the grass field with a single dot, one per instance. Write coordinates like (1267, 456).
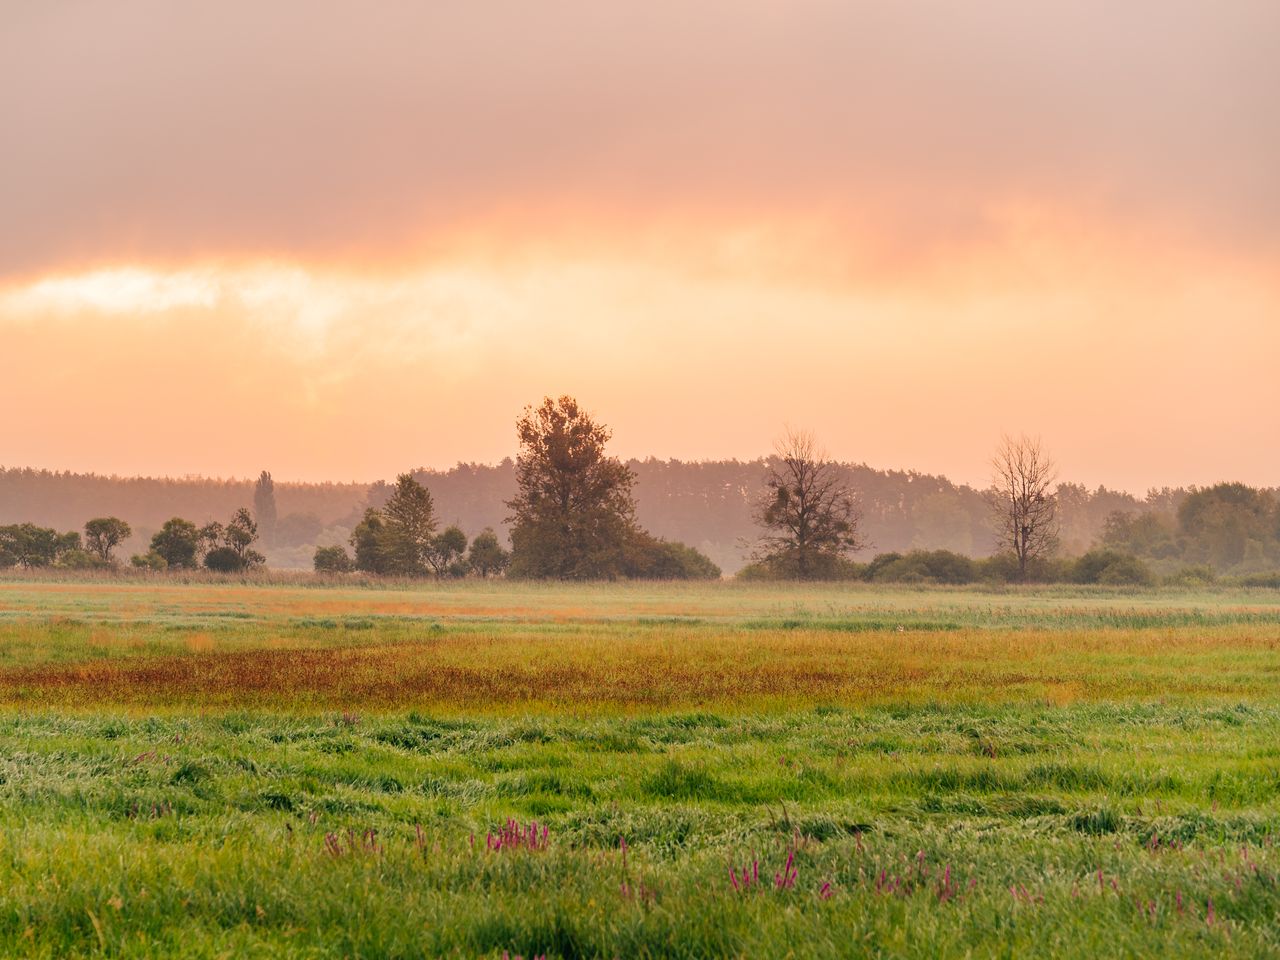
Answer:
(235, 770)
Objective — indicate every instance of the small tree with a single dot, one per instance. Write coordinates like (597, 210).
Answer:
(177, 543)
(148, 561)
(409, 520)
(240, 535)
(810, 516)
(368, 540)
(486, 556)
(573, 513)
(230, 547)
(104, 534)
(332, 560)
(445, 553)
(264, 507)
(1024, 508)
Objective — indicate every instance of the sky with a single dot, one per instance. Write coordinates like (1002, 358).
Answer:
(339, 240)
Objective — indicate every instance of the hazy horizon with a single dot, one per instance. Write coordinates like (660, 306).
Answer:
(339, 242)
(250, 477)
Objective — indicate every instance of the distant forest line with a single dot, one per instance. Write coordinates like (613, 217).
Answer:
(704, 504)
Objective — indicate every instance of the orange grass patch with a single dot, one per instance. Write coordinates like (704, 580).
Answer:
(666, 667)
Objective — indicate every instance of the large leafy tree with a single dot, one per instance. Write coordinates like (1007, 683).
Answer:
(573, 513)
(104, 534)
(809, 514)
(408, 521)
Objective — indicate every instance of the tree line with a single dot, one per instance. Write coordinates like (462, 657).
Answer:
(572, 518)
(572, 513)
(812, 522)
(178, 545)
(708, 505)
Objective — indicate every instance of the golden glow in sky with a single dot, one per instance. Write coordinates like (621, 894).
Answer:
(336, 241)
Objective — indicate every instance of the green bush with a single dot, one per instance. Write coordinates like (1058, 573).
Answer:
(332, 560)
(922, 566)
(836, 570)
(81, 560)
(1193, 576)
(1111, 567)
(649, 558)
(224, 560)
(1269, 579)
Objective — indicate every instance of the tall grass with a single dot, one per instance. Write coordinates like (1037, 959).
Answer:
(910, 832)
(493, 770)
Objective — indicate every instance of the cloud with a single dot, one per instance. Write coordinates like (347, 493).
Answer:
(339, 239)
(149, 131)
(324, 374)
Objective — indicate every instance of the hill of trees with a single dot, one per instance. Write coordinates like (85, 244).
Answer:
(707, 505)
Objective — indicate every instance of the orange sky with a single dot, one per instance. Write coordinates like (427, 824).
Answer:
(338, 240)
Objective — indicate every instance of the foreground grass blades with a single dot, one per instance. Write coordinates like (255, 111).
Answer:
(1139, 830)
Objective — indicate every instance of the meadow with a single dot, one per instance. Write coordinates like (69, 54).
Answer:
(292, 769)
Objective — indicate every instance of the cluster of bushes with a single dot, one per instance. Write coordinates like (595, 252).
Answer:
(646, 557)
(222, 548)
(1101, 566)
(446, 555)
(29, 546)
(400, 539)
(1229, 527)
(949, 568)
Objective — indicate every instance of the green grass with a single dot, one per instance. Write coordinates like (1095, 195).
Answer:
(1032, 773)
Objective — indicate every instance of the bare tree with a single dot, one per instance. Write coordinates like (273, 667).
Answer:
(810, 514)
(1023, 504)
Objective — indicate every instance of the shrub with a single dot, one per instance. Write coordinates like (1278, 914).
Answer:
(923, 566)
(81, 560)
(1193, 576)
(1270, 579)
(649, 558)
(149, 561)
(838, 570)
(1111, 567)
(332, 560)
(1127, 572)
(1002, 568)
(224, 560)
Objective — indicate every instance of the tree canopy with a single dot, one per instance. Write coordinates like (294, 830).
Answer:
(573, 512)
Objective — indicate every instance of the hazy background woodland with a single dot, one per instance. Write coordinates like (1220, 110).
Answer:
(704, 504)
